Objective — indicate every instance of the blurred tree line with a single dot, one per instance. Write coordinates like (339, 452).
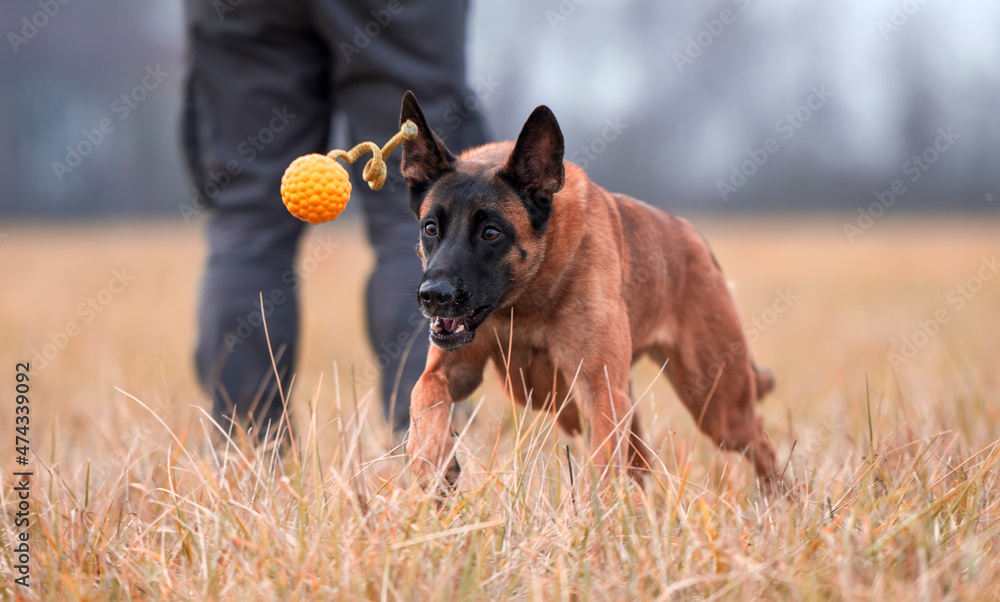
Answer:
(731, 105)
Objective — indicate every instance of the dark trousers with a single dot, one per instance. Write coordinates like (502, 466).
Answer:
(265, 79)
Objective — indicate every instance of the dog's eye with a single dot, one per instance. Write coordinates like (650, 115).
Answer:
(491, 233)
(431, 229)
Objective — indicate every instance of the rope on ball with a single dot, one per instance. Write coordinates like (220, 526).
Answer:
(315, 188)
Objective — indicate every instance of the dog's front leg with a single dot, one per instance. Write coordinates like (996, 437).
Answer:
(608, 410)
(450, 376)
(430, 440)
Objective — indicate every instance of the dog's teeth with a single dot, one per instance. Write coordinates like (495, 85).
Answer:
(460, 328)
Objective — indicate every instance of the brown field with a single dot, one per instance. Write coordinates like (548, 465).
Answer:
(895, 466)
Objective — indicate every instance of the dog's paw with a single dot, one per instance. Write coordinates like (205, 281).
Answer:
(451, 475)
(430, 461)
(776, 487)
(765, 382)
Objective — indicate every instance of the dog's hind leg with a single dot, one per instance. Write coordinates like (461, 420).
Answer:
(720, 391)
(640, 455)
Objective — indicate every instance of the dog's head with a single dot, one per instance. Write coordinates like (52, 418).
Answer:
(482, 219)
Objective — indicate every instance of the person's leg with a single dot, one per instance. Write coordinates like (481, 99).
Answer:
(257, 97)
(251, 254)
(419, 47)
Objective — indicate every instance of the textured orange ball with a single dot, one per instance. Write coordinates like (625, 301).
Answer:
(315, 188)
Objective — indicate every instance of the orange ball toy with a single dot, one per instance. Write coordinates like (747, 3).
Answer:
(315, 188)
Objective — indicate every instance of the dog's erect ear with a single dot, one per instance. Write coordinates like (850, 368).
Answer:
(425, 157)
(535, 167)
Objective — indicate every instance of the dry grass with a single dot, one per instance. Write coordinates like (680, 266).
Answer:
(896, 467)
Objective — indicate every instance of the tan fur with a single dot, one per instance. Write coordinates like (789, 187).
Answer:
(609, 280)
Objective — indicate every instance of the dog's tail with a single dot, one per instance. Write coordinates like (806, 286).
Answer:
(765, 381)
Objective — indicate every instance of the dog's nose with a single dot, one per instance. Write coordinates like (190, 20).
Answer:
(436, 293)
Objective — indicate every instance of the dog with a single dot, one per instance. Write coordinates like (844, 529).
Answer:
(530, 264)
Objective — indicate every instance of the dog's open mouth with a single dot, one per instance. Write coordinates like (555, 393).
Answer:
(452, 333)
